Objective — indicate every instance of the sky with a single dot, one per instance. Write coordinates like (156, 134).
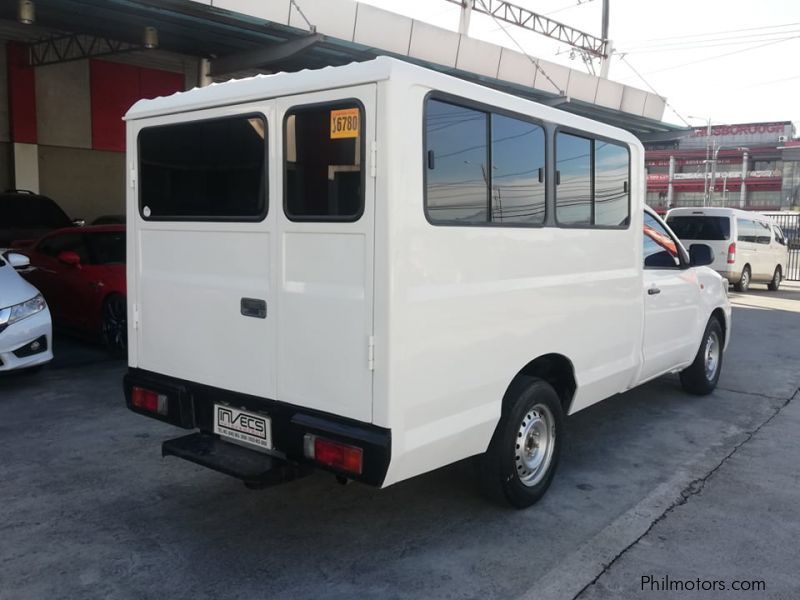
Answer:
(730, 61)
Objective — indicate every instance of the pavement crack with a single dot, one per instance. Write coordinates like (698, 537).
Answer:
(768, 396)
(694, 488)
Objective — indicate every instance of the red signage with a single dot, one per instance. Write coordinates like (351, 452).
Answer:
(746, 129)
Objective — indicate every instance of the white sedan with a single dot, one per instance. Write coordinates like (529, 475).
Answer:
(26, 331)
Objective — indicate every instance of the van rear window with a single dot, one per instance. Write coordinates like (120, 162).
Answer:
(323, 159)
(700, 227)
(210, 170)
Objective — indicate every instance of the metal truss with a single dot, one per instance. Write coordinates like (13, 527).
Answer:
(522, 17)
(76, 46)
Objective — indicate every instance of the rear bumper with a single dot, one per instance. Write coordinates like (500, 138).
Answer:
(191, 406)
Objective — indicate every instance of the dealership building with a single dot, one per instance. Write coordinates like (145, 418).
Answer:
(70, 69)
(755, 166)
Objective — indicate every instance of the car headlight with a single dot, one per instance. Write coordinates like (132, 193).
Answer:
(20, 311)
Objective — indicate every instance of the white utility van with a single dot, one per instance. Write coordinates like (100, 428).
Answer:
(378, 270)
(748, 247)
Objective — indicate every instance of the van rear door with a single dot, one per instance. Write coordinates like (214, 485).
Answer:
(700, 228)
(325, 234)
(201, 259)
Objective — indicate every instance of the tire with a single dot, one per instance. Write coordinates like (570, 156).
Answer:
(532, 418)
(701, 377)
(777, 277)
(115, 325)
(744, 283)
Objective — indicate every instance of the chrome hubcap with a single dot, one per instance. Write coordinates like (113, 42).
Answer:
(712, 355)
(535, 443)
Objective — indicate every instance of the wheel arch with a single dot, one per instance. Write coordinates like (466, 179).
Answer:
(555, 369)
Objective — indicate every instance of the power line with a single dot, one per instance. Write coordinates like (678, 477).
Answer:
(678, 37)
(647, 83)
(716, 56)
(569, 6)
(709, 43)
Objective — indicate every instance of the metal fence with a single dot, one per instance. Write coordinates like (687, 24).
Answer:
(790, 225)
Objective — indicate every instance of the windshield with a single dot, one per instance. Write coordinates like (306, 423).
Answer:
(700, 227)
(26, 211)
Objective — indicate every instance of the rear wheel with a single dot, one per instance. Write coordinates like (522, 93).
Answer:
(522, 456)
(744, 282)
(702, 375)
(777, 277)
(115, 325)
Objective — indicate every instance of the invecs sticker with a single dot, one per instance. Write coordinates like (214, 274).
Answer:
(345, 123)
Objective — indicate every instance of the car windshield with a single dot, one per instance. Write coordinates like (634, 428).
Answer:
(26, 211)
(106, 248)
(700, 227)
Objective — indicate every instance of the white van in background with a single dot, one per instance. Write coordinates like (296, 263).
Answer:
(748, 247)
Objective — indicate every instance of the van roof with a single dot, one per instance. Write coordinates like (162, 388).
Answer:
(715, 211)
(261, 87)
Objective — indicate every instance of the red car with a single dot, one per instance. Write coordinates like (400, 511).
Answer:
(81, 273)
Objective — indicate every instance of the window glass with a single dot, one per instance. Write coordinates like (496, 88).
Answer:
(323, 160)
(701, 228)
(574, 182)
(70, 242)
(204, 170)
(106, 247)
(747, 230)
(763, 233)
(610, 184)
(457, 159)
(29, 211)
(660, 250)
(517, 174)
(779, 237)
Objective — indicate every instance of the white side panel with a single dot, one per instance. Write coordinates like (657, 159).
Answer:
(471, 306)
(433, 44)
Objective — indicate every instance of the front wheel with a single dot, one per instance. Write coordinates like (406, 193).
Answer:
(777, 277)
(521, 459)
(702, 375)
(115, 325)
(744, 283)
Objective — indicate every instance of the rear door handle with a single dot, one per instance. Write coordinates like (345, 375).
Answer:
(253, 307)
(653, 291)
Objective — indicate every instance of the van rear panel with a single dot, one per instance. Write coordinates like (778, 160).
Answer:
(716, 231)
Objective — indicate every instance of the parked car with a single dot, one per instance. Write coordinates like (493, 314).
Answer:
(442, 271)
(748, 247)
(26, 216)
(25, 326)
(81, 273)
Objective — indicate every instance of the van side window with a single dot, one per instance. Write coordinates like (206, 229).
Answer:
(764, 233)
(592, 187)
(209, 170)
(323, 157)
(747, 230)
(482, 168)
(660, 250)
(457, 159)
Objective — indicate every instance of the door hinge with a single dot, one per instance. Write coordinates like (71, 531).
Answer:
(135, 316)
(371, 353)
(373, 159)
(133, 176)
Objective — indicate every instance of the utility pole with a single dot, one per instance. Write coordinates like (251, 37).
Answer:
(605, 61)
(466, 13)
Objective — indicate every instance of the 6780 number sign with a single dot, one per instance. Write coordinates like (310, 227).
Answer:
(344, 123)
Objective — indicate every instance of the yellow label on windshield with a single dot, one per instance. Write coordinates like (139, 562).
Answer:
(344, 123)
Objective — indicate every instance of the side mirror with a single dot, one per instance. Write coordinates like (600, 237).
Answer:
(700, 255)
(18, 261)
(68, 257)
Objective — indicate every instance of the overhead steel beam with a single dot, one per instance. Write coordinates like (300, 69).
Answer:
(263, 57)
(523, 17)
(76, 46)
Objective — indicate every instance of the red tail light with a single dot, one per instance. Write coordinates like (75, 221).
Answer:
(732, 253)
(149, 400)
(334, 454)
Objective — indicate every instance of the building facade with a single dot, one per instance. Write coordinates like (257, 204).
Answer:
(749, 165)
